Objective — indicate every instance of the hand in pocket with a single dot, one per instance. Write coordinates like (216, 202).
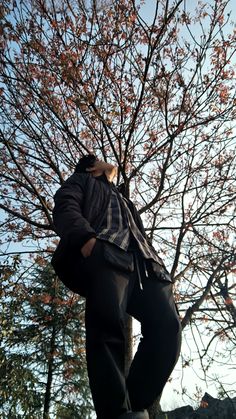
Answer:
(87, 248)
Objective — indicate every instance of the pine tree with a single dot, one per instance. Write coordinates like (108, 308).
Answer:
(42, 347)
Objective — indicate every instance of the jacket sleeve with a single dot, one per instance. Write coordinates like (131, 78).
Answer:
(68, 219)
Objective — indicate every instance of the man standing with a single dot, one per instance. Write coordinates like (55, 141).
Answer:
(104, 255)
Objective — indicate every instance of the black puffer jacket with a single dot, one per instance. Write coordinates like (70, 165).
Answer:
(80, 206)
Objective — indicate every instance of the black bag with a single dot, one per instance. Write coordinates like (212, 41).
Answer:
(67, 263)
(118, 258)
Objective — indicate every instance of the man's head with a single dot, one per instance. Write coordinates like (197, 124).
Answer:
(85, 162)
(91, 164)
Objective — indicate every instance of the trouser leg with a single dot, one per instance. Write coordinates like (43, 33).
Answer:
(105, 340)
(109, 293)
(159, 346)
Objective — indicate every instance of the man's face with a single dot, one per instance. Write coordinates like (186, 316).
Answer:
(97, 168)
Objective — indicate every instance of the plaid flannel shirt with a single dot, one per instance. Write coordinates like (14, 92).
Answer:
(119, 224)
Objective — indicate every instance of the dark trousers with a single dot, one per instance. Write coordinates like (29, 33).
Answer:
(112, 293)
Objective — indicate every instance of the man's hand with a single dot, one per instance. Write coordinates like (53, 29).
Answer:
(87, 248)
(101, 167)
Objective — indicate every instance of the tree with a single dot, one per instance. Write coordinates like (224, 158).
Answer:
(154, 94)
(42, 347)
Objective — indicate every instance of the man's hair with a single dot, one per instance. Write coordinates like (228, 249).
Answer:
(85, 162)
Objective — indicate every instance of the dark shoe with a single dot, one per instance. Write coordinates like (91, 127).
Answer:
(135, 415)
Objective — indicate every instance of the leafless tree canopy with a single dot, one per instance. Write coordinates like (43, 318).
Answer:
(151, 89)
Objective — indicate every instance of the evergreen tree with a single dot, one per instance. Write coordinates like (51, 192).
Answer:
(42, 350)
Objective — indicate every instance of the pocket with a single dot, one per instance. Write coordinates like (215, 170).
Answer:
(160, 272)
(118, 258)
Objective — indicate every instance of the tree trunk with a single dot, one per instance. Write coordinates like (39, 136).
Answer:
(129, 343)
(47, 397)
